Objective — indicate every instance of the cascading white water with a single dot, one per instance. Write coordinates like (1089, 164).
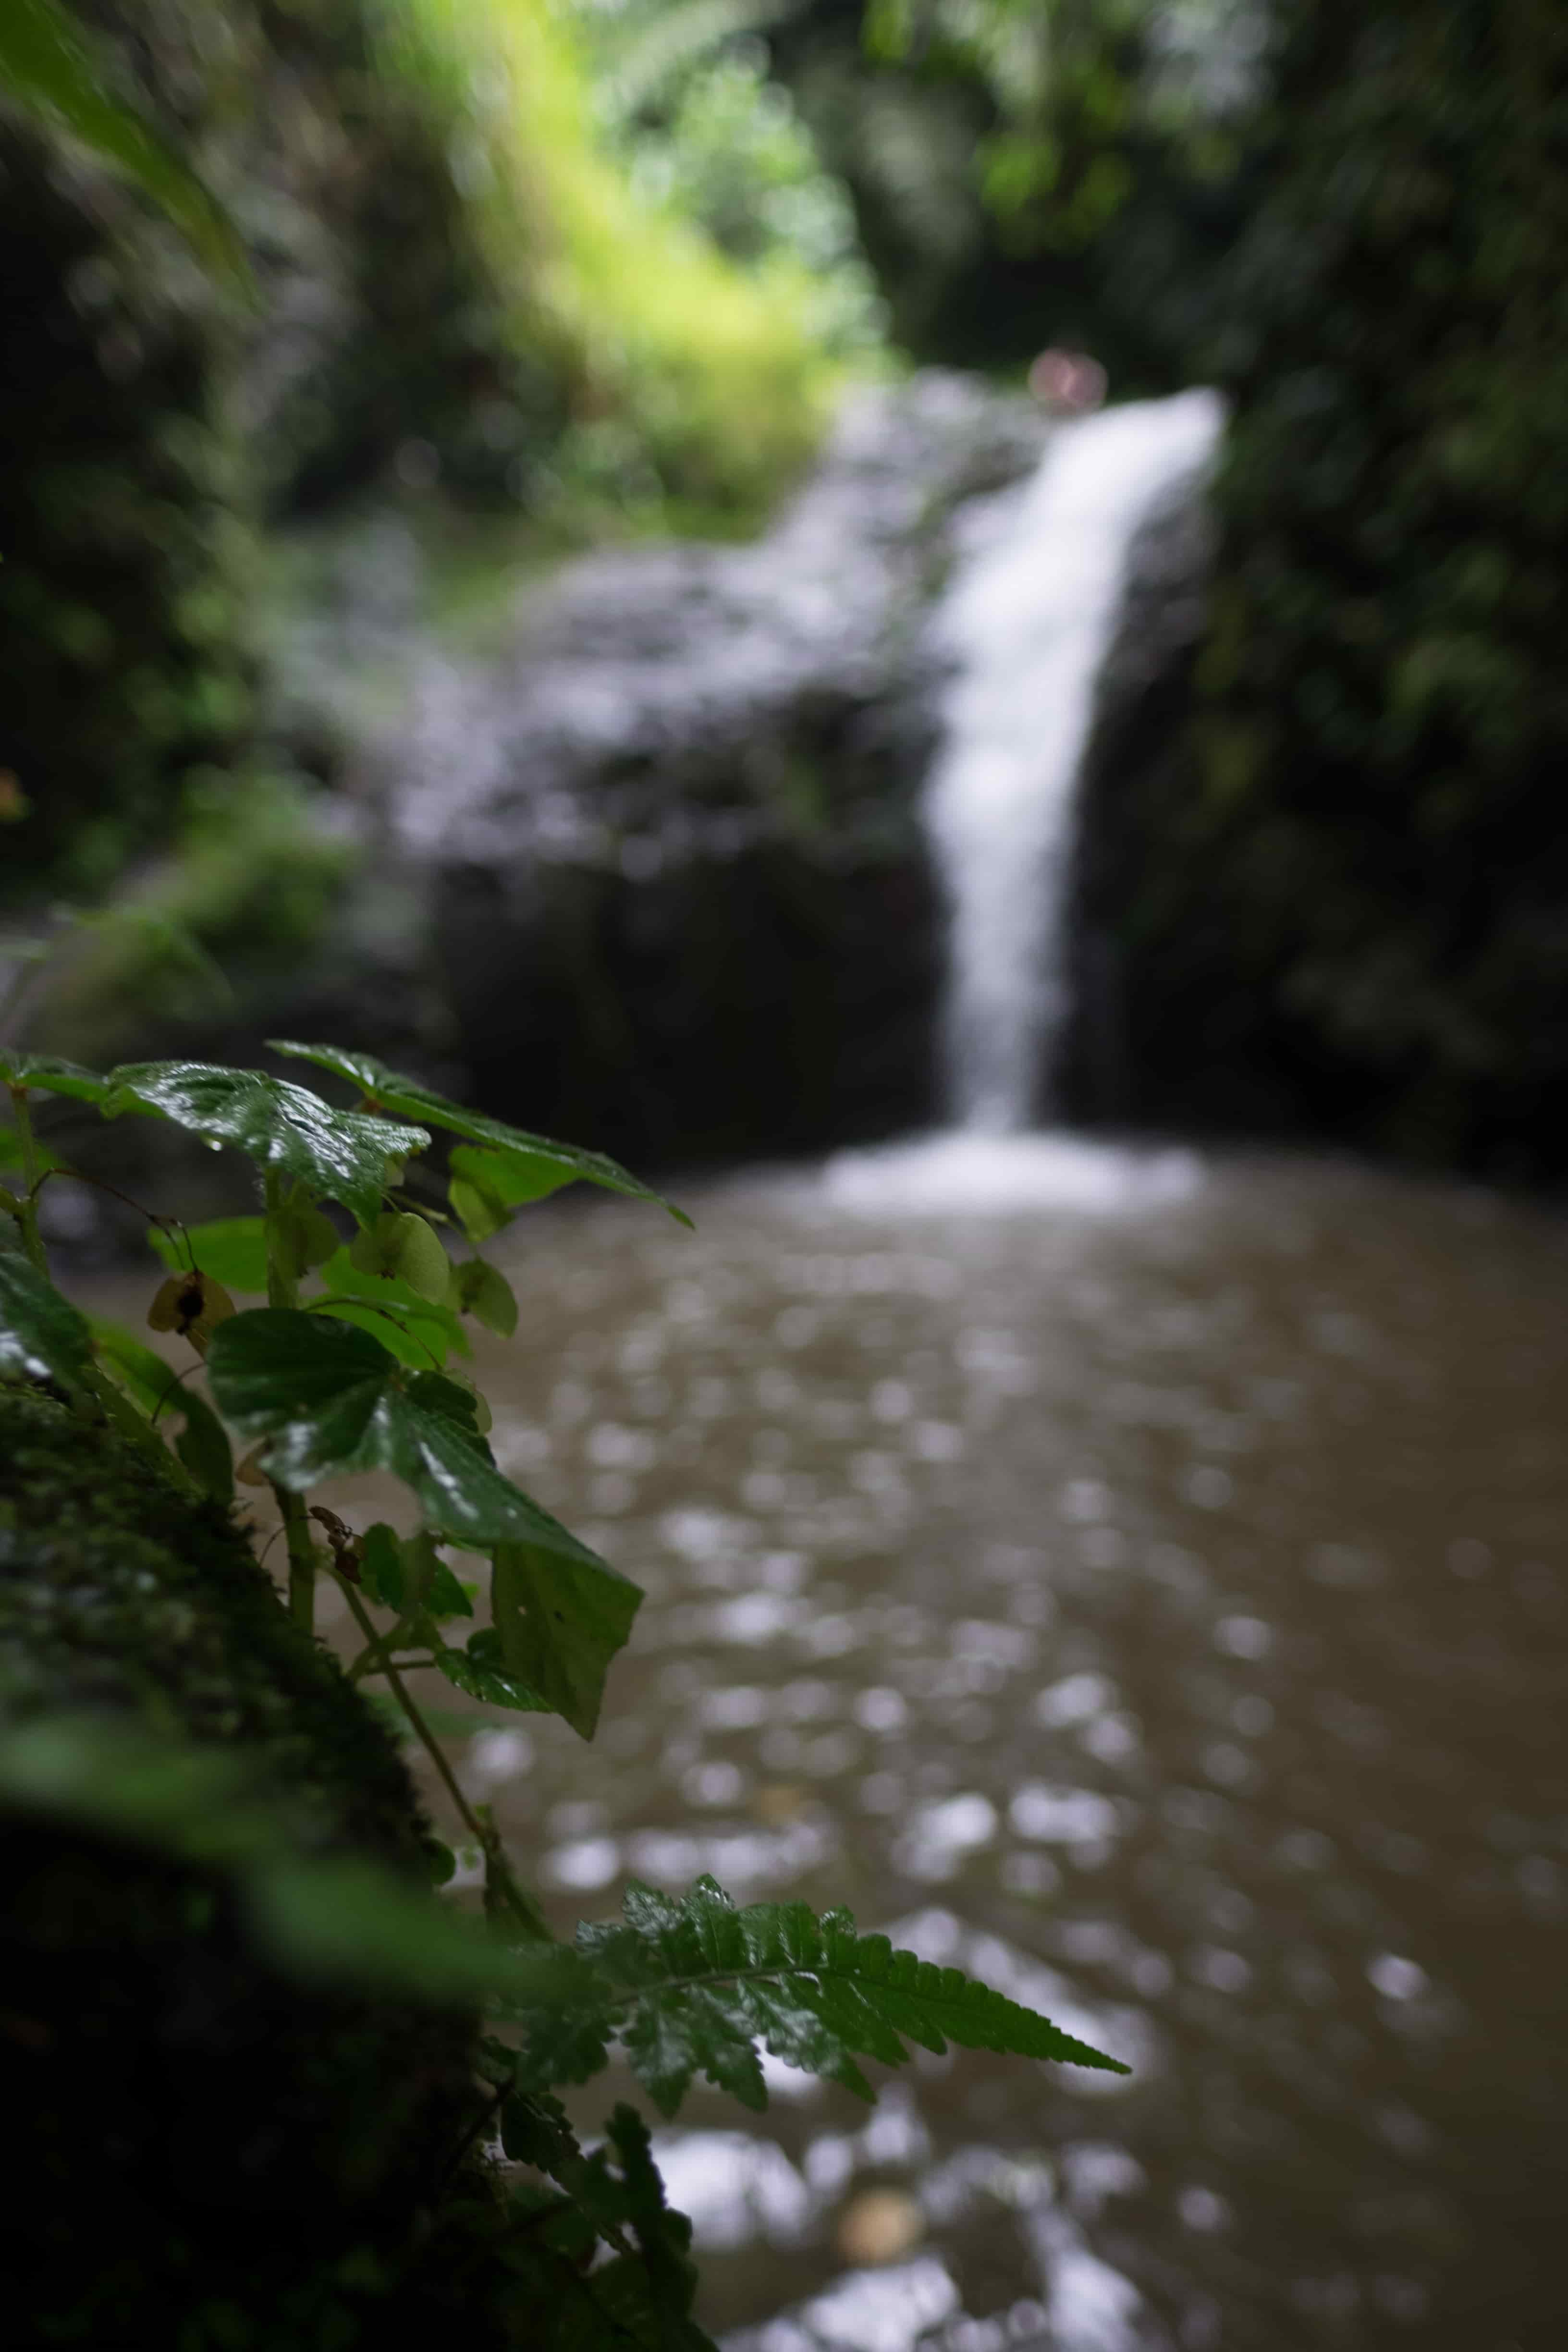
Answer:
(1027, 624)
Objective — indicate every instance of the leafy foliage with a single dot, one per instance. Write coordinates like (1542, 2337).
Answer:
(42, 1336)
(692, 1985)
(341, 1154)
(681, 1986)
(527, 1167)
(46, 63)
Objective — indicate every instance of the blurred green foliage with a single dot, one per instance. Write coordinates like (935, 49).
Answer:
(1341, 909)
(456, 285)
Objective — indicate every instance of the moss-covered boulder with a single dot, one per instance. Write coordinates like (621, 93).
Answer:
(208, 2150)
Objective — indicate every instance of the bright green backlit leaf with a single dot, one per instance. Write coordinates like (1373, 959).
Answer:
(341, 1154)
(233, 1250)
(47, 1074)
(329, 1400)
(481, 1213)
(561, 1622)
(402, 1247)
(419, 1333)
(42, 1334)
(482, 1290)
(406, 1099)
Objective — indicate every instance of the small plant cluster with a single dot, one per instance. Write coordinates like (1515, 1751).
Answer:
(349, 1367)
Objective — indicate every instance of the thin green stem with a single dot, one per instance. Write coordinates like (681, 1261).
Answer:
(27, 1208)
(282, 1285)
(498, 1874)
(283, 1290)
(302, 1556)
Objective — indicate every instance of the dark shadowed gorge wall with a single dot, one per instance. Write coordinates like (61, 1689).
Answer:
(1326, 879)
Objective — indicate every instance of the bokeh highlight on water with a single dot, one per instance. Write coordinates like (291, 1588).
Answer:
(1151, 1594)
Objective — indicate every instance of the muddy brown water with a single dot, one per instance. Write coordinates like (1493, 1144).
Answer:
(1143, 1584)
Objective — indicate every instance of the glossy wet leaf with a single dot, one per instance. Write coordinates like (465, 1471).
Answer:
(42, 1336)
(481, 1671)
(561, 1622)
(329, 1400)
(341, 1154)
(536, 1161)
(233, 1250)
(700, 1981)
(202, 1443)
(47, 1074)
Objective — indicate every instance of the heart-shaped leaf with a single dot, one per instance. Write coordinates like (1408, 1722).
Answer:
(327, 1399)
(42, 1336)
(47, 1074)
(233, 1250)
(555, 1163)
(341, 1154)
(561, 1622)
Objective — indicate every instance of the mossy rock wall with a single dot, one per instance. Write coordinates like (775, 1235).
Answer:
(210, 2152)
(1331, 877)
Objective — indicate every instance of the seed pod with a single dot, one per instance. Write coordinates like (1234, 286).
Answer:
(191, 1304)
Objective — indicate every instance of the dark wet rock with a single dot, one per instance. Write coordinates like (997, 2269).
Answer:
(1123, 1057)
(678, 889)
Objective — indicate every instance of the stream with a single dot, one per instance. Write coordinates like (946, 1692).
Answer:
(1141, 1582)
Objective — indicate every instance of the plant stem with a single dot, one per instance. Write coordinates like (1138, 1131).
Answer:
(28, 1211)
(283, 1290)
(498, 1874)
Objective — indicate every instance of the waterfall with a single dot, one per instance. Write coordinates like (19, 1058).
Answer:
(1027, 625)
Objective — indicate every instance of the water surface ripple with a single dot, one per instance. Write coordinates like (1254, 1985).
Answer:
(1147, 1587)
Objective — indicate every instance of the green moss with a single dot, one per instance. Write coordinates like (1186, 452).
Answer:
(215, 2157)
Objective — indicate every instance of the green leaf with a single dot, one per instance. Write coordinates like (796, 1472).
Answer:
(401, 1246)
(381, 1565)
(47, 1074)
(42, 1336)
(561, 1622)
(233, 1250)
(329, 1400)
(341, 1154)
(480, 1212)
(479, 1671)
(445, 1597)
(534, 1159)
(699, 1982)
(45, 63)
(202, 1445)
(419, 1332)
(480, 1289)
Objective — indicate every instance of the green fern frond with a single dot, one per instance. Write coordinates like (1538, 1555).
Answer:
(695, 1984)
